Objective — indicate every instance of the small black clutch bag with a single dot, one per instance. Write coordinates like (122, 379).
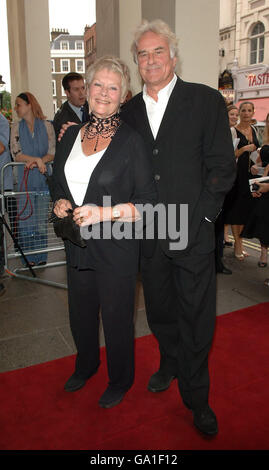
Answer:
(67, 229)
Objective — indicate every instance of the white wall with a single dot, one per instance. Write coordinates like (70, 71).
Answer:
(130, 18)
(29, 46)
(197, 26)
(227, 13)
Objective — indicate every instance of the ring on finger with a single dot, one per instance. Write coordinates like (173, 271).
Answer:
(81, 219)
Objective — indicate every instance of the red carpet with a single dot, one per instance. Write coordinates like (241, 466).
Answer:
(37, 414)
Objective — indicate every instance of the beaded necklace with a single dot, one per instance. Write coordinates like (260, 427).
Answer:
(104, 127)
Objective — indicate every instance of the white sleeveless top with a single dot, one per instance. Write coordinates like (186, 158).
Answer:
(78, 170)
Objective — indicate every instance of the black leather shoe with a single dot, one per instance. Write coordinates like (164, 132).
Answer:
(223, 270)
(74, 383)
(111, 397)
(160, 381)
(204, 419)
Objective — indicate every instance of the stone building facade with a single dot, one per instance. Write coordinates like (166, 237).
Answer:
(67, 55)
(244, 52)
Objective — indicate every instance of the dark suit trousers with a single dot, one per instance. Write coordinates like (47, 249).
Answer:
(180, 297)
(89, 292)
(219, 238)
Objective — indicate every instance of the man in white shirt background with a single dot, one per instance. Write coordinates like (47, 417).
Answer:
(186, 130)
(76, 108)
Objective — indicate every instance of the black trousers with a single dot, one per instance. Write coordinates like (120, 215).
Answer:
(89, 292)
(180, 298)
(219, 238)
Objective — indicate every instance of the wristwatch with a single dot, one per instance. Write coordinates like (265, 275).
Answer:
(115, 213)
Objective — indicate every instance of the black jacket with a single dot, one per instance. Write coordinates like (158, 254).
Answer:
(64, 114)
(125, 174)
(192, 158)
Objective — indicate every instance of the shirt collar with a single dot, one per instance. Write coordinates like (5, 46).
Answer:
(164, 93)
(75, 108)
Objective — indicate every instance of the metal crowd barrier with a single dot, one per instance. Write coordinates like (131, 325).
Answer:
(27, 231)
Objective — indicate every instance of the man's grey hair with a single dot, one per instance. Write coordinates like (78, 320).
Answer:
(115, 65)
(157, 27)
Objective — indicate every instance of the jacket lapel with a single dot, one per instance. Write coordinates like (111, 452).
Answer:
(109, 154)
(175, 112)
(142, 124)
(67, 149)
(72, 112)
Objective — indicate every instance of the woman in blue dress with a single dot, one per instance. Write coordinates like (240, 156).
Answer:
(33, 143)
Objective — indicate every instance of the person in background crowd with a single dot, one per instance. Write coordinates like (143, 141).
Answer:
(261, 224)
(265, 142)
(196, 168)
(233, 115)
(265, 137)
(76, 108)
(104, 157)
(241, 202)
(8, 178)
(221, 229)
(257, 223)
(32, 142)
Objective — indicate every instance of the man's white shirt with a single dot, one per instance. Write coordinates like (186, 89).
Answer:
(156, 109)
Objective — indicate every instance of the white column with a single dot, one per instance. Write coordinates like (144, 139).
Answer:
(197, 27)
(238, 31)
(29, 49)
(130, 17)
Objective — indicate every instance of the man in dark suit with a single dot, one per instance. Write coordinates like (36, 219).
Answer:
(186, 130)
(76, 108)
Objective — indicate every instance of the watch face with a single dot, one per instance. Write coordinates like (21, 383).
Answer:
(116, 213)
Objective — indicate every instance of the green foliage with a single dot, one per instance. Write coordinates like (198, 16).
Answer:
(6, 100)
(6, 105)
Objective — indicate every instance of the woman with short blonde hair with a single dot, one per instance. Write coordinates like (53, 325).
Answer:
(114, 64)
(101, 171)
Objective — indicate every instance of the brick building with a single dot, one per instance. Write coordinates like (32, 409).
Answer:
(90, 45)
(67, 55)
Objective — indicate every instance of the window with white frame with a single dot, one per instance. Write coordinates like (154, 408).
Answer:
(63, 92)
(54, 87)
(257, 43)
(80, 65)
(64, 45)
(79, 45)
(65, 65)
(52, 65)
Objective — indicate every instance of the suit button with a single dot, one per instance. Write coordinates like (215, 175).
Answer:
(155, 152)
(157, 177)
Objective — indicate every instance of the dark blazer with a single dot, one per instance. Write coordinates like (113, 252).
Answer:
(64, 114)
(192, 157)
(125, 174)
